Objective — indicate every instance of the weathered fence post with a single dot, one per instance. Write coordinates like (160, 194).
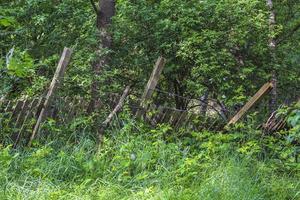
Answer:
(60, 70)
(151, 85)
(263, 90)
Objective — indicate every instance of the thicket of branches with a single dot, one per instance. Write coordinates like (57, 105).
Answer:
(219, 47)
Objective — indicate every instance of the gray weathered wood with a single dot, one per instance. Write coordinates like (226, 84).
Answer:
(117, 108)
(16, 110)
(29, 113)
(61, 68)
(108, 120)
(2, 101)
(182, 117)
(151, 85)
(162, 115)
(22, 113)
(8, 107)
(167, 116)
(175, 118)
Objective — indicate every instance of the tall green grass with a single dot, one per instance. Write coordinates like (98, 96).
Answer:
(142, 165)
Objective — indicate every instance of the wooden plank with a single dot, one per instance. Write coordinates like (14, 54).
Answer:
(263, 90)
(174, 118)
(151, 85)
(15, 111)
(60, 70)
(19, 119)
(117, 108)
(2, 102)
(39, 106)
(29, 113)
(167, 116)
(108, 120)
(8, 107)
(22, 113)
(162, 116)
(190, 120)
(181, 119)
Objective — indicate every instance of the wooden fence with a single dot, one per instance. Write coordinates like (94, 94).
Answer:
(21, 116)
(24, 117)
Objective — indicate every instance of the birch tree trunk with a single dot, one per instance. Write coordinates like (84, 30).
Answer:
(104, 18)
(272, 46)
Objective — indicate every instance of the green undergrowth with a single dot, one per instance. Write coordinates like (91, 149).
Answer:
(141, 163)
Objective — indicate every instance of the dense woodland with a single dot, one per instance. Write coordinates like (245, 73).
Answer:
(93, 144)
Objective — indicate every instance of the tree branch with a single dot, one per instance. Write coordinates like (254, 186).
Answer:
(94, 7)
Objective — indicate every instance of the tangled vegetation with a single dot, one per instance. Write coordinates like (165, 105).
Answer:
(217, 51)
(138, 163)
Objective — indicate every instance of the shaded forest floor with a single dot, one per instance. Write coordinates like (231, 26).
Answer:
(141, 163)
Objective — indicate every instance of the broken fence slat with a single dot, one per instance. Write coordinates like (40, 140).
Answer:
(28, 115)
(22, 113)
(117, 108)
(108, 120)
(181, 119)
(263, 90)
(8, 107)
(16, 110)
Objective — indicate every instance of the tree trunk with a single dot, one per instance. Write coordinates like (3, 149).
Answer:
(104, 19)
(272, 46)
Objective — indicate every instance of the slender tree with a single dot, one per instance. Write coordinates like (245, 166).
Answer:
(104, 13)
(272, 46)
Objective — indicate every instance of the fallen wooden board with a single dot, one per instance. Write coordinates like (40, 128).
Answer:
(263, 90)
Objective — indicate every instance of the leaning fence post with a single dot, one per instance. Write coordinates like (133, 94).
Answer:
(151, 85)
(108, 120)
(263, 90)
(59, 73)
